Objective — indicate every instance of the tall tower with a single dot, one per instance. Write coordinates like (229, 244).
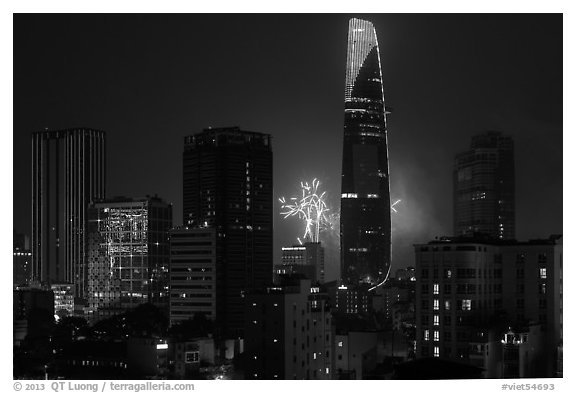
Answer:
(68, 173)
(228, 186)
(484, 188)
(365, 224)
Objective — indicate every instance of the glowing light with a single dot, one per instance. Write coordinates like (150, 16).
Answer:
(311, 208)
(394, 204)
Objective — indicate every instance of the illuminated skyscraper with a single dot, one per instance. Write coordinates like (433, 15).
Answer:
(128, 254)
(365, 224)
(484, 188)
(228, 186)
(68, 173)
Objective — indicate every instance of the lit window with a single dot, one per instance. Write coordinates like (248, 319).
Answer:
(436, 335)
(436, 352)
(327, 370)
(542, 272)
(447, 305)
(340, 343)
(436, 320)
(314, 355)
(436, 304)
(436, 289)
(192, 357)
(466, 304)
(275, 340)
(426, 335)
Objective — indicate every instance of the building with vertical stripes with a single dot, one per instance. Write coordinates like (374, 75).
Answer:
(68, 173)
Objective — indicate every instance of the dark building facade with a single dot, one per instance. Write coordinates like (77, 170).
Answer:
(22, 262)
(484, 188)
(128, 254)
(33, 313)
(288, 333)
(228, 186)
(469, 293)
(365, 223)
(68, 173)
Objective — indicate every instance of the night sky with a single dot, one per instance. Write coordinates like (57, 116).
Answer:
(149, 80)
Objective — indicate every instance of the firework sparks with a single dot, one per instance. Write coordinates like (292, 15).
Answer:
(310, 207)
(394, 204)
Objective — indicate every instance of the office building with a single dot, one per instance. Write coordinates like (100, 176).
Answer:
(470, 292)
(365, 223)
(128, 254)
(288, 333)
(228, 186)
(350, 300)
(306, 260)
(63, 300)
(192, 273)
(68, 173)
(484, 188)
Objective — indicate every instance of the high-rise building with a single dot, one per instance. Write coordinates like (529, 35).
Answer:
(228, 187)
(128, 254)
(288, 333)
(306, 260)
(365, 224)
(470, 292)
(192, 273)
(68, 173)
(484, 188)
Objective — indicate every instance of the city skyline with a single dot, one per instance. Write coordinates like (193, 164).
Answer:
(441, 90)
(204, 294)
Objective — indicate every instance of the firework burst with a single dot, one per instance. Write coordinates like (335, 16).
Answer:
(310, 207)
